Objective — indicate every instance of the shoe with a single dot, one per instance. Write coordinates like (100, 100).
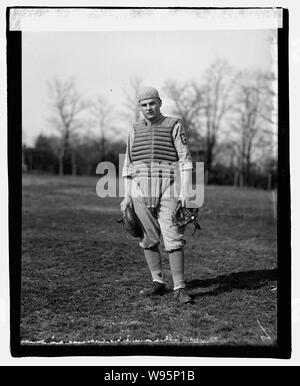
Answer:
(182, 296)
(156, 289)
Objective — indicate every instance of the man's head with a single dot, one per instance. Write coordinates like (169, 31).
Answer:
(150, 103)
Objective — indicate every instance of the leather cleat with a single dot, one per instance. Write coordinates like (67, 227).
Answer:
(182, 296)
(156, 289)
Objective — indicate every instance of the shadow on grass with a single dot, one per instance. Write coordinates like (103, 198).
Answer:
(236, 280)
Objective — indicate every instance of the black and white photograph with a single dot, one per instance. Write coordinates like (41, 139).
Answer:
(153, 181)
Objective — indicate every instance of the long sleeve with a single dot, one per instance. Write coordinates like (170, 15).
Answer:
(127, 167)
(181, 145)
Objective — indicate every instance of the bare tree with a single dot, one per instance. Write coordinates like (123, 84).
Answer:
(131, 95)
(187, 102)
(253, 117)
(226, 153)
(102, 116)
(217, 95)
(202, 106)
(67, 106)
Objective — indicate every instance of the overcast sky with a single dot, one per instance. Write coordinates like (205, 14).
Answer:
(103, 62)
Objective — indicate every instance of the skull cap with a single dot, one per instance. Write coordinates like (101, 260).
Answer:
(148, 93)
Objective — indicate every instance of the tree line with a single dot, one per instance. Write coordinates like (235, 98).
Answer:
(229, 117)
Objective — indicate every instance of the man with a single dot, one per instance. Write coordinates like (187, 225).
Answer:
(156, 146)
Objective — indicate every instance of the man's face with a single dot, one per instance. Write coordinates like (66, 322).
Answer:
(150, 108)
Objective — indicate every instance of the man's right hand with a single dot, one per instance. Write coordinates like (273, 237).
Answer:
(124, 203)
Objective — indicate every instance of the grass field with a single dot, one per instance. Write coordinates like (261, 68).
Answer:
(81, 273)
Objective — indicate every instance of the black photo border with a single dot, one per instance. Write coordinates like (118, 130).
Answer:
(281, 350)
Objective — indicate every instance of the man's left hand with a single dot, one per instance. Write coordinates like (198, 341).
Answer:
(184, 198)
